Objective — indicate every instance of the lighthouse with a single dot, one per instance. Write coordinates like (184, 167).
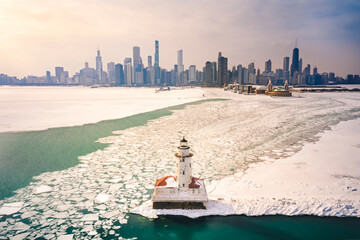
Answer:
(182, 191)
(183, 164)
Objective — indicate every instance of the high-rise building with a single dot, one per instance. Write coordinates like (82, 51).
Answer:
(295, 62)
(156, 63)
(128, 71)
(119, 75)
(213, 73)
(149, 61)
(87, 75)
(138, 66)
(207, 74)
(268, 66)
(180, 63)
(300, 65)
(307, 71)
(251, 68)
(286, 65)
(192, 74)
(111, 72)
(223, 76)
(245, 75)
(315, 70)
(240, 74)
(58, 72)
(48, 77)
(252, 73)
(99, 67)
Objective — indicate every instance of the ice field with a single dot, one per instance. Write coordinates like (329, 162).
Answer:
(242, 148)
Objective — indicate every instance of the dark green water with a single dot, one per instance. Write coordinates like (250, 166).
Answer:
(241, 227)
(27, 154)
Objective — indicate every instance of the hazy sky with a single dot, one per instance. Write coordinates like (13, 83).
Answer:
(37, 35)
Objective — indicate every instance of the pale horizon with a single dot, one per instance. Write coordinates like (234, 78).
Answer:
(39, 35)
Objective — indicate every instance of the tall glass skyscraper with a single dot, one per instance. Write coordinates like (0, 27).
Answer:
(295, 61)
(156, 63)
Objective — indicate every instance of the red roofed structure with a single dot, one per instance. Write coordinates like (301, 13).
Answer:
(183, 190)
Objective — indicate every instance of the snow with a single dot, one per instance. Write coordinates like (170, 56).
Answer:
(257, 155)
(66, 237)
(37, 108)
(321, 179)
(11, 208)
(43, 189)
(102, 197)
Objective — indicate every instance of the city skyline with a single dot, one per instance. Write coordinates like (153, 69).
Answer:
(37, 38)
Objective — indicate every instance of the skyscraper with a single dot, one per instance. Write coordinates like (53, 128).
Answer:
(192, 74)
(252, 73)
(222, 74)
(119, 75)
(99, 68)
(208, 74)
(149, 61)
(128, 71)
(156, 63)
(138, 67)
(286, 68)
(295, 62)
(300, 65)
(58, 72)
(268, 66)
(180, 61)
(48, 77)
(111, 72)
(240, 74)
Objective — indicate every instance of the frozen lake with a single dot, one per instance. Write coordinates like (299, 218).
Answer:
(229, 139)
(38, 108)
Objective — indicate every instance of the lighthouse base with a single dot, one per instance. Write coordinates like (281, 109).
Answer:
(179, 205)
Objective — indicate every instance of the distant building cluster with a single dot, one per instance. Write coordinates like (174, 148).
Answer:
(133, 72)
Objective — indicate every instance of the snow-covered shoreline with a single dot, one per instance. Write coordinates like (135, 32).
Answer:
(322, 179)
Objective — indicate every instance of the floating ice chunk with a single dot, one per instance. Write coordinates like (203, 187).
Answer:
(61, 215)
(90, 217)
(43, 189)
(92, 233)
(115, 187)
(88, 228)
(102, 197)
(100, 207)
(19, 236)
(114, 160)
(50, 236)
(28, 214)
(66, 237)
(62, 208)
(20, 226)
(11, 208)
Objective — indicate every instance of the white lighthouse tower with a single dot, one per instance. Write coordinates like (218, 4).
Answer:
(182, 190)
(183, 164)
